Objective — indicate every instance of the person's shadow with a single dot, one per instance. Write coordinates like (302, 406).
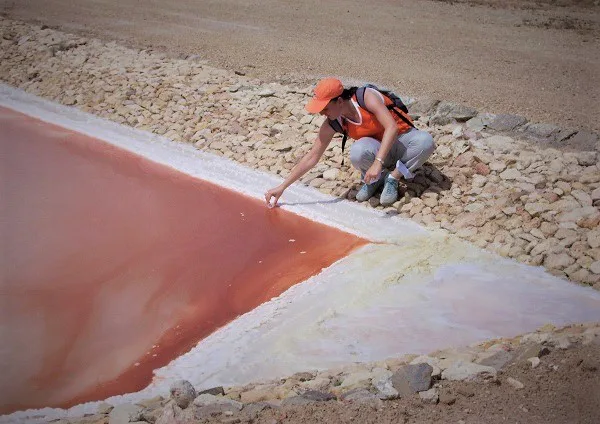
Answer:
(428, 179)
(316, 202)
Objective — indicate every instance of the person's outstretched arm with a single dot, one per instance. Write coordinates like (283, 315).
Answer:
(308, 161)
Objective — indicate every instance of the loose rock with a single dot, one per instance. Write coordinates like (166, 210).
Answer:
(183, 393)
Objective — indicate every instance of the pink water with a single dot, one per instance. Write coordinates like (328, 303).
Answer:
(114, 265)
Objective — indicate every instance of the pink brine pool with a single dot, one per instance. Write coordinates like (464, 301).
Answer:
(113, 265)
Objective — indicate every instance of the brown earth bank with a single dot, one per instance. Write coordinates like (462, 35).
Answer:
(539, 59)
(549, 376)
(569, 394)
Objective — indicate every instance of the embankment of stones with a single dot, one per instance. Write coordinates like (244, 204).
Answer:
(426, 378)
(527, 191)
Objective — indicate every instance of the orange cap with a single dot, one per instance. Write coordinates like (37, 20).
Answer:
(326, 89)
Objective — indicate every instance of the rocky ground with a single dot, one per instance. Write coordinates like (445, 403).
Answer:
(494, 180)
(550, 376)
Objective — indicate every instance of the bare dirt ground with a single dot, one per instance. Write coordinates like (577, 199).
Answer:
(539, 59)
(565, 388)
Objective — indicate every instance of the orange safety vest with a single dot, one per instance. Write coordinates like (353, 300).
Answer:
(369, 126)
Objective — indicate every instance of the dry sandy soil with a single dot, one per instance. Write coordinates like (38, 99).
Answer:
(565, 388)
(539, 59)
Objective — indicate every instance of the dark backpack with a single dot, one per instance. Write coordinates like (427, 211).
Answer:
(397, 103)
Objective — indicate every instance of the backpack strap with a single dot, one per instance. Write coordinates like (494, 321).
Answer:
(401, 116)
(360, 99)
(360, 96)
(337, 127)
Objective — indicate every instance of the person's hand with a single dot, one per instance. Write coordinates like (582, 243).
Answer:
(276, 193)
(373, 172)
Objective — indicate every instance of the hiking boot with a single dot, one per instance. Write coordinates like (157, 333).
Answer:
(368, 190)
(390, 191)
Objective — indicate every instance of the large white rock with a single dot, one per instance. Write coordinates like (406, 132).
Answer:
(510, 174)
(534, 209)
(558, 261)
(468, 371)
(357, 379)
(582, 197)
(501, 143)
(182, 392)
(593, 238)
(123, 414)
(382, 381)
(430, 396)
(207, 399)
(331, 174)
(577, 214)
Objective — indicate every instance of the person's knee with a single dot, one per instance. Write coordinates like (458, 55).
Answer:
(360, 152)
(356, 152)
(422, 147)
(426, 142)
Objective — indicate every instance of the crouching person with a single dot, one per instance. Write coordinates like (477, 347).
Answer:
(384, 135)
